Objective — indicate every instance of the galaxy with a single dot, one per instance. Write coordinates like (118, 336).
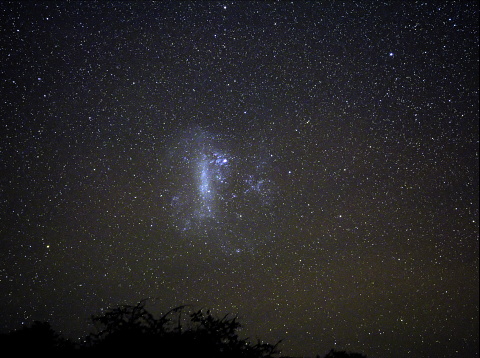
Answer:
(309, 166)
(222, 191)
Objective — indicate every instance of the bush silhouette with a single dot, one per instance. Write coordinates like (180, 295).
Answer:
(38, 338)
(132, 330)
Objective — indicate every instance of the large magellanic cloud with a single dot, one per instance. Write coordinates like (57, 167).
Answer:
(219, 195)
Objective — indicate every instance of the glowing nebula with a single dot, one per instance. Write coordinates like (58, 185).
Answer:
(217, 194)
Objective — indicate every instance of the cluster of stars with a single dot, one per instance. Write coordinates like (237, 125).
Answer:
(311, 166)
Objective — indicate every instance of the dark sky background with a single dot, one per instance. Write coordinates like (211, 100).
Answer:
(309, 166)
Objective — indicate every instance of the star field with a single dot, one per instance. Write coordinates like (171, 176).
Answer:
(309, 166)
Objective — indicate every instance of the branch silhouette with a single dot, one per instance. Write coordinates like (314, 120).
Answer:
(132, 330)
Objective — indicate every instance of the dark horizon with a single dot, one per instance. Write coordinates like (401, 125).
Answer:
(310, 166)
(133, 329)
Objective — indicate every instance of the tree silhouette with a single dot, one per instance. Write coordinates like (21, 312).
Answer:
(129, 329)
(132, 330)
(38, 338)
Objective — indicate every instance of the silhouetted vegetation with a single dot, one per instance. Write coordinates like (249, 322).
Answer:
(133, 330)
(38, 338)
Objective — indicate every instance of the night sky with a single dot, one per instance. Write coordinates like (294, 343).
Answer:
(309, 166)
